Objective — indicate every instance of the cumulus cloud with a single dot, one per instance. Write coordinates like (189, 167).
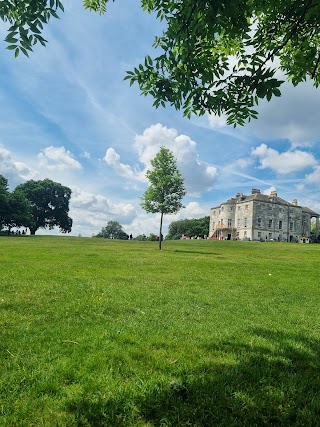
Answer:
(112, 159)
(15, 172)
(57, 158)
(314, 177)
(283, 163)
(269, 190)
(290, 117)
(90, 212)
(199, 176)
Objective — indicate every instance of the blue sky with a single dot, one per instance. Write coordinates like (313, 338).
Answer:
(68, 115)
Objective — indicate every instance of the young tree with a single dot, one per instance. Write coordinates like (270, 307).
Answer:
(49, 205)
(166, 188)
(113, 230)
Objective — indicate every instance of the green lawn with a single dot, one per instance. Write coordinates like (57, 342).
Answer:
(117, 333)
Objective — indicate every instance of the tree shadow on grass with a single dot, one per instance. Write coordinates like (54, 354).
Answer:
(271, 379)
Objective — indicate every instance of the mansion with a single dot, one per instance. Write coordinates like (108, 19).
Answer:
(261, 217)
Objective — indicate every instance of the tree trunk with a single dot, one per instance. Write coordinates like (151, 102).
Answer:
(33, 230)
(160, 235)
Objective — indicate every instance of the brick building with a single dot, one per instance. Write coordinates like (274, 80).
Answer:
(262, 217)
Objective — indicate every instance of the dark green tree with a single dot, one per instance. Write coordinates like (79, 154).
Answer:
(19, 212)
(4, 200)
(166, 188)
(188, 227)
(113, 230)
(15, 210)
(49, 205)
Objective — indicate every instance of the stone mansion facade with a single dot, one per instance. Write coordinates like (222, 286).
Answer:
(261, 217)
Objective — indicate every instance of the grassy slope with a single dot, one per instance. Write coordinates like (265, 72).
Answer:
(203, 333)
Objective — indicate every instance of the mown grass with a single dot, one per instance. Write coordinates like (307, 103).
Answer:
(109, 333)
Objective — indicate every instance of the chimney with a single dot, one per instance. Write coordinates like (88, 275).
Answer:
(255, 191)
(273, 194)
(294, 202)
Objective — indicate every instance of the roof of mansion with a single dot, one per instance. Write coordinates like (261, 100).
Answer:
(272, 198)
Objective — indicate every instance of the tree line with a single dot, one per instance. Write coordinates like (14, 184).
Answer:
(34, 205)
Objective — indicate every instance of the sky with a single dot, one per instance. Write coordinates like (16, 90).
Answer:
(67, 114)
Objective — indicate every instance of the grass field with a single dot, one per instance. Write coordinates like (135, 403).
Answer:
(117, 333)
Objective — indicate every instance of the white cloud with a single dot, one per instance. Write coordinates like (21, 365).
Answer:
(112, 158)
(57, 158)
(283, 163)
(268, 191)
(90, 212)
(86, 155)
(199, 176)
(291, 117)
(217, 122)
(314, 177)
(14, 172)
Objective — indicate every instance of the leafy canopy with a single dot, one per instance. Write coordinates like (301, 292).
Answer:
(217, 57)
(15, 210)
(26, 19)
(188, 227)
(49, 203)
(113, 230)
(221, 56)
(166, 190)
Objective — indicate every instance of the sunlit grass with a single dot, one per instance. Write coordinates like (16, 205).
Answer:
(117, 333)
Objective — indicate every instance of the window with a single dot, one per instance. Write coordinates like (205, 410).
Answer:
(222, 223)
(246, 207)
(291, 226)
(259, 234)
(270, 223)
(259, 222)
(270, 235)
(222, 208)
(229, 223)
(213, 225)
(280, 225)
(238, 223)
(245, 222)
(239, 208)
(245, 234)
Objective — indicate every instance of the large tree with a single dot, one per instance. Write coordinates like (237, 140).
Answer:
(113, 230)
(49, 203)
(218, 56)
(166, 190)
(15, 209)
